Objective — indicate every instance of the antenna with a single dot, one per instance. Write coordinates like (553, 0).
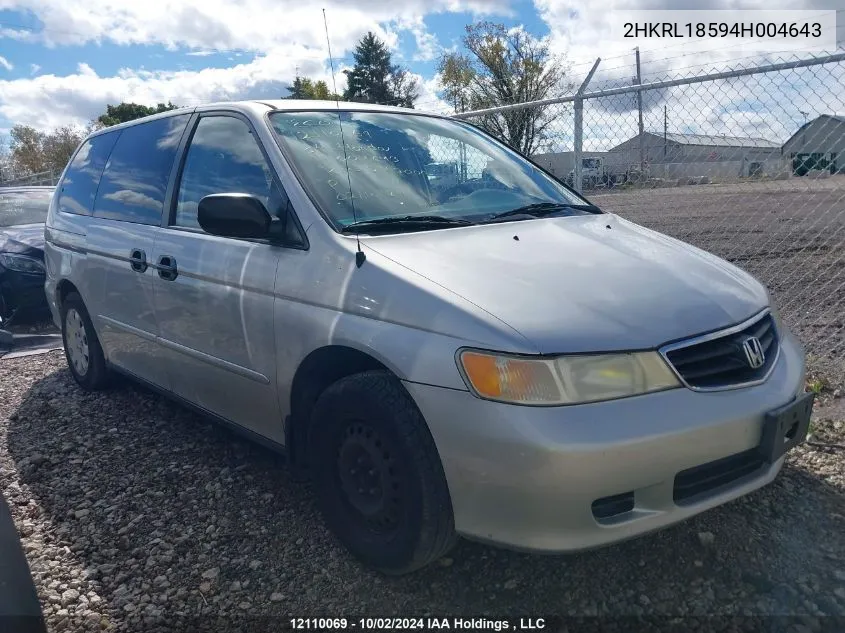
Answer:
(360, 256)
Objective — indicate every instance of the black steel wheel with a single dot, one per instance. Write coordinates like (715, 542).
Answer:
(369, 476)
(377, 474)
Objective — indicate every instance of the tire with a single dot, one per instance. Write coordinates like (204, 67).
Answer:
(377, 476)
(79, 337)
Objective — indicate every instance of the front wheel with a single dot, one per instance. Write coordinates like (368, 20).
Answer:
(377, 475)
(82, 347)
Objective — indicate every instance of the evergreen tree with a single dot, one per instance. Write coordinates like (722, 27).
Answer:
(374, 79)
(321, 91)
(304, 88)
(301, 88)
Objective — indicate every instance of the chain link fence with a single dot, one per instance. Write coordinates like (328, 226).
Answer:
(747, 163)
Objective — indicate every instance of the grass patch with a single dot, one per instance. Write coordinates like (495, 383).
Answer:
(817, 384)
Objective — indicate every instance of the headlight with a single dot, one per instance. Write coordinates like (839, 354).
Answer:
(21, 264)
(565, 379)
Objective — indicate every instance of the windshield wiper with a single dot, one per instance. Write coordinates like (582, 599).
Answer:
(404, 222)
(542, 209)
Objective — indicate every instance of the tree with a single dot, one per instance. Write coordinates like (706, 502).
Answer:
(27, 156)
(59, 145)
(375, 79)
(6, 169)
(502, 67)
(33, 151)
(403, 87)
(456, 77)
(123, 112)
(321, 91)
(301, 88)
(304, 88)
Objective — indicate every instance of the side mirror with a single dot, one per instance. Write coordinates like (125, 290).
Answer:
(233, 215)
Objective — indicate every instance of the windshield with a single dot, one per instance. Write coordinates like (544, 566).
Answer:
(24, 207)
(403, 165)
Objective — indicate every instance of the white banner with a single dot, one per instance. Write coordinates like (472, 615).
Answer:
(735, 30)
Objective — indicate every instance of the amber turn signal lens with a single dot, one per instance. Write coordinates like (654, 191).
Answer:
(482, 373)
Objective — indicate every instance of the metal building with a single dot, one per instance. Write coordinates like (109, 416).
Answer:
(676, 155)
(673, 156)
(817, 145)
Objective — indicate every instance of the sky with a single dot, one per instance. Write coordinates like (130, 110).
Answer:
(62, 61)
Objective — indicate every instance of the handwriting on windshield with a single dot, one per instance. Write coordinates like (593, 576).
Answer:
(372, 165)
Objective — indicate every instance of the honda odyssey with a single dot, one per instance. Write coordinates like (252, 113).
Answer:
(444, 337)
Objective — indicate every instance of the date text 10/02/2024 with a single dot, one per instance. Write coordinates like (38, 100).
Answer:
(417, 624)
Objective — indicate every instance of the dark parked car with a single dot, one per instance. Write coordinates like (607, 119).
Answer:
(23, 211)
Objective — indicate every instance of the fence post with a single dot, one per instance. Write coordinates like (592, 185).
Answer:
(639, 81)
(577, 179)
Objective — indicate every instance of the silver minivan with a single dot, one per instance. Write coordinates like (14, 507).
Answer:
(442, 336)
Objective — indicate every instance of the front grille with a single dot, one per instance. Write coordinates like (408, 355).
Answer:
(721, 361)
(709, 477)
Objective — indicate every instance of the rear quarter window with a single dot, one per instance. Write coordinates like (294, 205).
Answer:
(135, 179)
(79, 185)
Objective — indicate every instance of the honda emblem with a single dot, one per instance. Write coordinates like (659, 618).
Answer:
(754, 353)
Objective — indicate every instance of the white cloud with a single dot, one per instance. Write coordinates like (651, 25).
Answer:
(5, 63)
(429, 101)
(257, 25)
(281, 35)
(34, 68)
(48, 100)
(427, 45)
(22, 35)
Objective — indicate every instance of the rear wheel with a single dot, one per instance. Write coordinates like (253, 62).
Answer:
(82, 347)
(377, 475)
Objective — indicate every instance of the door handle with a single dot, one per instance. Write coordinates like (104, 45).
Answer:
(138, 260)
(167, 268)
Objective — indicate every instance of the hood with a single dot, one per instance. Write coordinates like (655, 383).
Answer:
(582, 283)
(26, 239)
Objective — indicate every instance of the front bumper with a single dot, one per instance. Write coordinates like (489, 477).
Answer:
(527, 477)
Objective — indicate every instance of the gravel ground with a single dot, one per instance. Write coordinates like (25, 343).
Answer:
(790, 234)
(129, 505)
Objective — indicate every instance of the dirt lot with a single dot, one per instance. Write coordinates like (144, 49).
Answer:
(790, 234)
(129, 505)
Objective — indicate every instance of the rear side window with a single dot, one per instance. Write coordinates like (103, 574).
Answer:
(135, 179)
(79, 185)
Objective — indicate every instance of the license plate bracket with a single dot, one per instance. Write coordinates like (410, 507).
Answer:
(786, 427)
